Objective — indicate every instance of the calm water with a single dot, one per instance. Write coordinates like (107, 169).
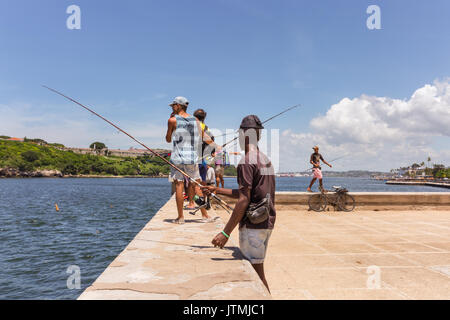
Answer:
(352, 184)
(97, 219)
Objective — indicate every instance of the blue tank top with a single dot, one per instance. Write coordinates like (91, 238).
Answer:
(186, 141)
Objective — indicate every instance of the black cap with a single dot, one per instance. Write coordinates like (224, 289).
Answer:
(251, 121)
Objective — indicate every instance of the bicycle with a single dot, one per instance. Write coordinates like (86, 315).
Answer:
(338, 199)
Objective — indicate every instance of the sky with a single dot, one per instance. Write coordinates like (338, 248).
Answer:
(379, 97)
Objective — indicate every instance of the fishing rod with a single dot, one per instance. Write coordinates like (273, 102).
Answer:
(212, 158)
(222, 203)
(290, 108)
(339, 158)
(332, 160)
(267, 120)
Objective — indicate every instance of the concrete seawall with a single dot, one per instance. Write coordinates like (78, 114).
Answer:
(171, 261)
(420, 183)
(370, 199)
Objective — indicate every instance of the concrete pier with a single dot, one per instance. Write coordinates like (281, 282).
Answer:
(420, 183)
(361, 255)
(172, 261)
(393, 246)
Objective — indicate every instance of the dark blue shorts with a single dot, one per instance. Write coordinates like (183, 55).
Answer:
(203, 169)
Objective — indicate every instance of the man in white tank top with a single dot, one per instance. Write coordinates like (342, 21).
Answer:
(185, 134)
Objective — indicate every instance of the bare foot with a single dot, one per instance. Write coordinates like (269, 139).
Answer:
(178, 221)
(308, 190)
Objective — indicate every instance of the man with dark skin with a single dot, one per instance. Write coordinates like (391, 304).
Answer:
(256, 179)
(315, 161)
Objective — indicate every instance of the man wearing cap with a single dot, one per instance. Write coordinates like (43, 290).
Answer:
(317, 172)
(256, 180)
(184, 132)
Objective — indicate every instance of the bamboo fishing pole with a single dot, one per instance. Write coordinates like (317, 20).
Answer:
(221, 202)
(332, 160)
(267, 120)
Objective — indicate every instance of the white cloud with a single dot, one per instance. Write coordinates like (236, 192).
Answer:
(380, 132)
(377, 133)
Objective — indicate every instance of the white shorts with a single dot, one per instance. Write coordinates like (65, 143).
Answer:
(253, 243)
(190, 169)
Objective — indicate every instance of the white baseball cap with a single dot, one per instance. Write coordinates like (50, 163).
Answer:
(180, 100)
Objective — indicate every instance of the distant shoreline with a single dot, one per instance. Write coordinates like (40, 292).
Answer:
(84, 176)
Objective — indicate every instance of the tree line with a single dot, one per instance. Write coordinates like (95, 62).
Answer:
(36, 154)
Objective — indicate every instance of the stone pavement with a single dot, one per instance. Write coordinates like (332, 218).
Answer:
(370, 253)
(359, 255)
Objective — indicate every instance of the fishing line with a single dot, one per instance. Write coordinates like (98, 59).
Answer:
(222, 203)
(267, 120)
(331, 160)
(278, 114)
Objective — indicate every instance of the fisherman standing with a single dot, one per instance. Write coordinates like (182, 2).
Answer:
(200, 114)
(317, 170)
(185, 133)
(210, 176)
(256, 180)
(219, 167)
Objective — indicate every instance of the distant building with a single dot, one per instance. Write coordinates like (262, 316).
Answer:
(411, 171)
(15, 139)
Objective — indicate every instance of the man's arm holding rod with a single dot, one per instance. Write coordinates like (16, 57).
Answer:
(243, 196)
(323, 160)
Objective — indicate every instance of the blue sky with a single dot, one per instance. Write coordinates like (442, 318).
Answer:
(232, 58)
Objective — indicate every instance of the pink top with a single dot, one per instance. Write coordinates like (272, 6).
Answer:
(219, 158)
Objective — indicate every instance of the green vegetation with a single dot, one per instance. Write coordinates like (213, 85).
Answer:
(230, 171)
(38, 141)
(415, 170)
(98, 147)
(31, 156)
(441, 172)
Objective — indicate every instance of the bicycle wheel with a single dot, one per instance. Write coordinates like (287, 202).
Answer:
(346, 202)
(317, 202)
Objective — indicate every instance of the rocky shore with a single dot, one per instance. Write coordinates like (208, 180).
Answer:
(16, 173)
